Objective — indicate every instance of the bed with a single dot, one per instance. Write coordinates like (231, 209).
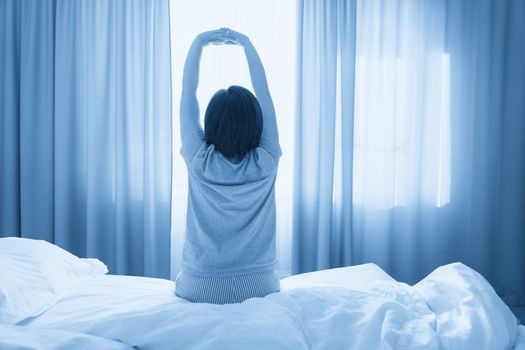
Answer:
(50, 299)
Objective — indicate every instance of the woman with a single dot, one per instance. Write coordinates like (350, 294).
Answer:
(229, 249)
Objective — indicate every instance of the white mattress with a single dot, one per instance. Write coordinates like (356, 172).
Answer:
(359, 307)
(14, 337)
(106, 296)
(519, 343)
(358, 277)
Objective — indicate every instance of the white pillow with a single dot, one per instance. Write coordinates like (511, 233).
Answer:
(35, 274)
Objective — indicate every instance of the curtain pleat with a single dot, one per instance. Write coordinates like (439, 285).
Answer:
(407, 146)
(10, 112)
(323, 96)
(94, 123)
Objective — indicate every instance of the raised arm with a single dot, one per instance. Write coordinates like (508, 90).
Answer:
(189, 106)
(260, 85)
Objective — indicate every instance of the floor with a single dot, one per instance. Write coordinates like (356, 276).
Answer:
(519, 312)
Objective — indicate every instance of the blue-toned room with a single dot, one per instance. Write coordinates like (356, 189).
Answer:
(262, 174)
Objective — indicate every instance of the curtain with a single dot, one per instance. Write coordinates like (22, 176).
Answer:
(409, 151)
(325, 70)
(85, 148)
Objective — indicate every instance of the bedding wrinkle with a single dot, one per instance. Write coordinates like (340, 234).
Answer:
(359, 307)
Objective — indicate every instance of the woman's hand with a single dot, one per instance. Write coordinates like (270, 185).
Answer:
(233, 37)
(222, 36)
(209, 38)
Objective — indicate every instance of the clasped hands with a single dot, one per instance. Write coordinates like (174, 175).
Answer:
(222, 36)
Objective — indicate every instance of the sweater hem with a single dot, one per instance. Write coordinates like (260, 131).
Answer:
(229, 273)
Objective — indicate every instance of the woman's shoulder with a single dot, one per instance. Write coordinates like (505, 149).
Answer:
(191, 145)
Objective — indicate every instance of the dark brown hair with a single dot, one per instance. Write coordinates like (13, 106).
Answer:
(233, 121)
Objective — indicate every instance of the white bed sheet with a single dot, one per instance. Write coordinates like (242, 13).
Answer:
(358, 307)
(358, 277)
(14, 337)
(519, 343)
(107, 296)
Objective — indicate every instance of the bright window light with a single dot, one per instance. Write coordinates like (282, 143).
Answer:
(401, 147)
(270, 25)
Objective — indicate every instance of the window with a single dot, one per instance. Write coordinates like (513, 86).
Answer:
(401, 132)
(270, 24)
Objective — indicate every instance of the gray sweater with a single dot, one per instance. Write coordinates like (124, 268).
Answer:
(230, 227)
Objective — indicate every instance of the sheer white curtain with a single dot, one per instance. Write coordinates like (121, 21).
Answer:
(325, 95)
(408, 151)
(487, 55)
(401, 150)
(85, 129)
(270, 24)
(402, 105)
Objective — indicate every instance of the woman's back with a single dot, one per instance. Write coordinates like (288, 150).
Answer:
(230, 226)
